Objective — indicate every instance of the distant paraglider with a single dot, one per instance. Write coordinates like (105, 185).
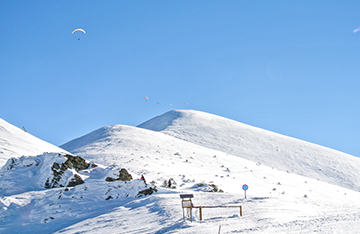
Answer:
(78, 29)
(146, 98)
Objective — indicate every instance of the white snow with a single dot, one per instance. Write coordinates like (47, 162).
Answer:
(15, 142)
(271, 149)
(294, 186)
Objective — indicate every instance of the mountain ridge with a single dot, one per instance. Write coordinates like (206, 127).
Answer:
(259, 145)
(278, 201)
(15, 142)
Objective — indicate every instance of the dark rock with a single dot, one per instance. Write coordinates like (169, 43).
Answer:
(145, 192)
(215, 189)
(72, 162)
(76, 162)
(76, 180)
(54, 182)
(109, 179)
(124, 175)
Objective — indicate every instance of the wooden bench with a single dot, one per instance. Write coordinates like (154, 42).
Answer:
(201, 207)
(187, 203)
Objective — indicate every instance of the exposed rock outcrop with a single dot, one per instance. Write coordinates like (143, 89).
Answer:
(124, 175)
(58, 169)
(146, 192)
(78, 163)
(54, 170)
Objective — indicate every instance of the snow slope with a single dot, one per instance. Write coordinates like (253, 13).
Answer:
(15, 142)
(23, 199)
(278, 200)
(259, 145)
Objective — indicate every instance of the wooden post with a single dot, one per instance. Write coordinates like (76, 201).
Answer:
(190, 214)
(200, 213)
(240, 210)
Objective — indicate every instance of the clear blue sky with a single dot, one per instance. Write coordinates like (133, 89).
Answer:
(292, 67)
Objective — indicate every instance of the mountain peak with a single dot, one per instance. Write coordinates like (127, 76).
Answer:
(259, 145)
(163, 121)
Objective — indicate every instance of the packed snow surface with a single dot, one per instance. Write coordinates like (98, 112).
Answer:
(294, 186)
(15, 142)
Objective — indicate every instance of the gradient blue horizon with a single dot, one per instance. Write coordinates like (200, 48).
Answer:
(291, 67)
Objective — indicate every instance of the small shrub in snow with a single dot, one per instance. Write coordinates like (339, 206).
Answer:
(207, 187)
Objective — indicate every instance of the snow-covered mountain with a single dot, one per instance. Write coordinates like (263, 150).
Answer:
(259, 145)
(14, 142)
(292, 188)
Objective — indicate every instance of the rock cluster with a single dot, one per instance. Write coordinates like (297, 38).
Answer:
(54, 170)
(73, 163)
(124, 175)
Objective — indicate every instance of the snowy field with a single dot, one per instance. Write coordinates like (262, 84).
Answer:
(294, 186)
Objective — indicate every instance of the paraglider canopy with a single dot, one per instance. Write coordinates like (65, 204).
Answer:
(146, 98)
(78, 29)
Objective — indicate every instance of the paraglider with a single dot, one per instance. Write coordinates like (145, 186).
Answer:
(357, 30)
(146, 98)
(78, 29)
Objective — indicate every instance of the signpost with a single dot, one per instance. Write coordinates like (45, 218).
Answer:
(187, 203)
(245, 187)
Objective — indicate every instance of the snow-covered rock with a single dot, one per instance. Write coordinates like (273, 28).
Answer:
(52, 170)
(49, 170)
